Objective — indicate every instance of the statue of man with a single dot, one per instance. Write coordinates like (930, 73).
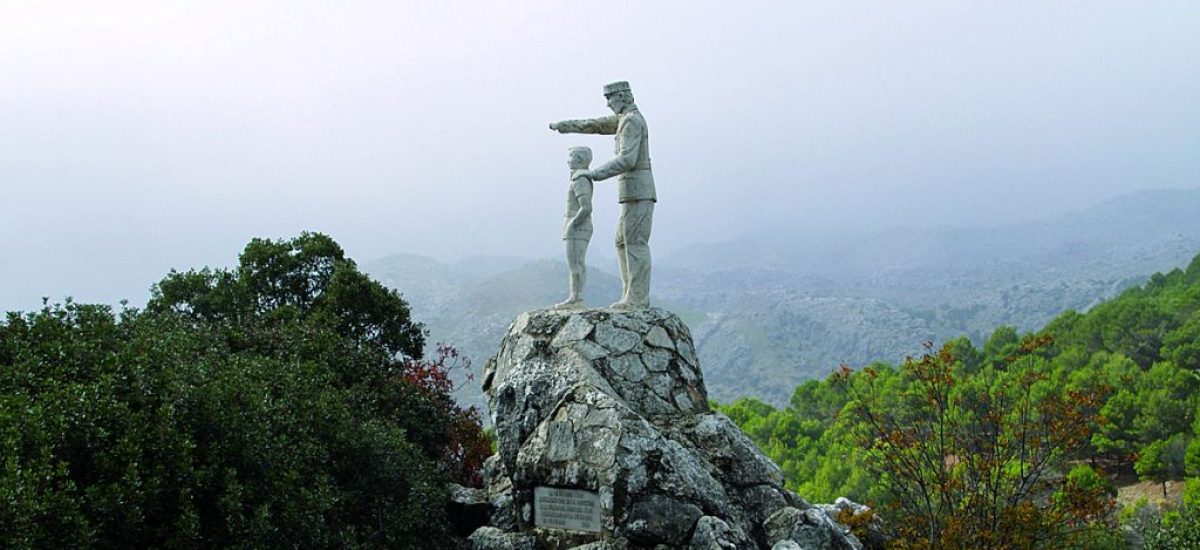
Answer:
(635, 187)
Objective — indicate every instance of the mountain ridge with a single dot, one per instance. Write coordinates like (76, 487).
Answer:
(768, 316)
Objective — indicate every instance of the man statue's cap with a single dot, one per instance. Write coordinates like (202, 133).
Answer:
(620, 86)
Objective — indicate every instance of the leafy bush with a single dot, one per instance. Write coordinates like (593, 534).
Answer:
(1169, 529)
(968, 461)
(280, 404)
(1191, 492)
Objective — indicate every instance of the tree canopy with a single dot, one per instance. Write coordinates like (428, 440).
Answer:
(1139, 352)
(282, 403)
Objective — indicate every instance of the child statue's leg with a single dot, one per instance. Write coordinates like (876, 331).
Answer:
(577, 253)
(576, 273)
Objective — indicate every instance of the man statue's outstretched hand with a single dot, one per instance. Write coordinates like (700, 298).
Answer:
(576, 174)
(556, 126)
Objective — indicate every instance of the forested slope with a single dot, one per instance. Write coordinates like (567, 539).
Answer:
(1138, 353)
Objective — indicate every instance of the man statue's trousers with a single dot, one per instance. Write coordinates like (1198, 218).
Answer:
(633, 251)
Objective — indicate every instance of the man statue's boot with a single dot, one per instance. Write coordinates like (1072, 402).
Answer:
(639, 296)
(637, 290)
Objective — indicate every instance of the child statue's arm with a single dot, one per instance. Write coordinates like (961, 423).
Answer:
(582, 189)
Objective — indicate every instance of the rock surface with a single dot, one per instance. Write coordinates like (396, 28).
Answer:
(614, 403)
(468, 509)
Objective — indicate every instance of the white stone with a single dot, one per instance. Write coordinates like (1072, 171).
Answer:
(600, 417)
(589, 350)
(576, 328)
(519, 324)
(628, 366)
(597, 446)
(629, 322)
(523, 348)
(711, 533)
(688, 353)
(656, 360)
(661, 384)
(617, 340)
(560, 441)
(659, 338)
(687, 374)
(571, 413)
(606, 498)
(684, 402)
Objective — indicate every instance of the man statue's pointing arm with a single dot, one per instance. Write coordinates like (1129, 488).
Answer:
(603, 125)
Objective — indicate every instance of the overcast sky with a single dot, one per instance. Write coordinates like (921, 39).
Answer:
(140, 136)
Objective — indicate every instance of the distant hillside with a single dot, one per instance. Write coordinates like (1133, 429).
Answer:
(1130, 364)
(768, 314)
(783, 312)
(470, 303)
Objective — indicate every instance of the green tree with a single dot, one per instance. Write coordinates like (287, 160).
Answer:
(1002, 345)
(1165, 402)
(1162, 461)
(1191, 456)
(1191, 492)
(965, 460)
(1182, 345)
(280, 404)
(1087, 481)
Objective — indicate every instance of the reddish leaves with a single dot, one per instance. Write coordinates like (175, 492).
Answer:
(973, 460)
(467, 446)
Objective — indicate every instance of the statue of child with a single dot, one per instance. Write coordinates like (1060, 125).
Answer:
(577, 225)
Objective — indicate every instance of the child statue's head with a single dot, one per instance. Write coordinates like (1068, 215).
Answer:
(579, 158)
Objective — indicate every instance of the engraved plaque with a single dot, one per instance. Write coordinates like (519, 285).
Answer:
(566, 509)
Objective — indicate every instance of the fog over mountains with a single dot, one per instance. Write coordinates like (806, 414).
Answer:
(771, 312)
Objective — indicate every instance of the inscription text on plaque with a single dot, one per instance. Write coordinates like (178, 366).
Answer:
(566, 509)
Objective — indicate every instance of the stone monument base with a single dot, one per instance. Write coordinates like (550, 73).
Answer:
(606, 440)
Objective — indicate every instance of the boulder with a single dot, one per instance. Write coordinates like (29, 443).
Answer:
(468, 509)
(809, 528)
(491, 538)
(604, 414)
(712, 533)
(872, 530)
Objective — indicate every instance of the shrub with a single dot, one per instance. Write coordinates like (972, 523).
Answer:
(967, 462)
(281, 404)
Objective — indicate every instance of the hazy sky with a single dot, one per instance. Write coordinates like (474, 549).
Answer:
(140, 136)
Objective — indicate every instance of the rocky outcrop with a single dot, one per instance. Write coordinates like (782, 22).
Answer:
(468, 509)
(604, 417)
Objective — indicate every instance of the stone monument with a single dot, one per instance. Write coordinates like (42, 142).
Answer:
(635, 187)
(605, 439)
